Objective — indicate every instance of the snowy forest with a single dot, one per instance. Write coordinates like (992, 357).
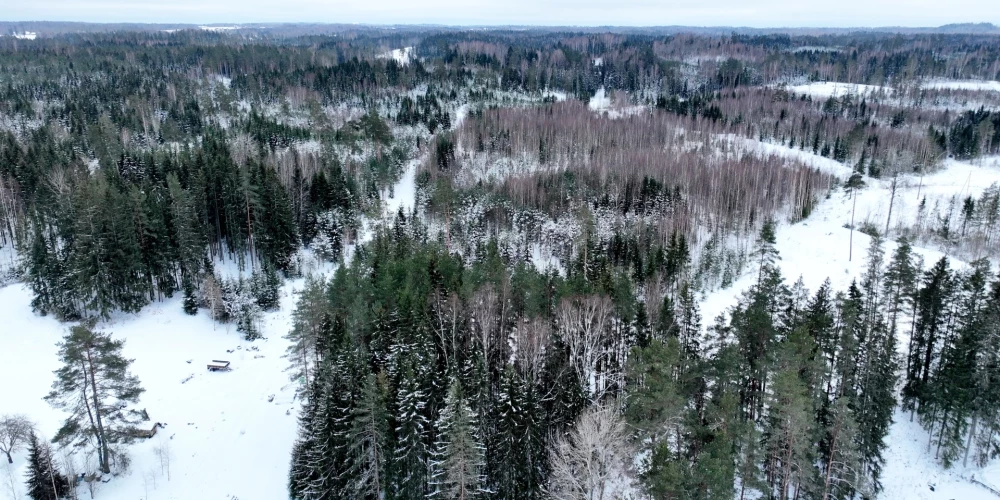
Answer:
(501, 264)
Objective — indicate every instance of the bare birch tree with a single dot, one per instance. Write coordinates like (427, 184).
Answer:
(583, 324)
(589, 463)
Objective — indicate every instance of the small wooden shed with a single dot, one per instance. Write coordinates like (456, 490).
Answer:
(144, 433)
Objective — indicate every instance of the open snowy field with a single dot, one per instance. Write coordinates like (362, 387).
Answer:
(229, 433)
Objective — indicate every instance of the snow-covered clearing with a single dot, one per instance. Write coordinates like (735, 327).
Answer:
(837, 89)
(819, 248)
(600, 102)
(229, 433)
(402, 56)
(27, 35)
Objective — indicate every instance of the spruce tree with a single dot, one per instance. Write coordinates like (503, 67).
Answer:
(366, 438)
(409, 460)
(953, 384)
(933, 317)
(459, 463)
(44, 481)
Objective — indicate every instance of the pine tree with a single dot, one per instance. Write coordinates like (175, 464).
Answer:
(95, 387)
(841, 465)
(44, 481)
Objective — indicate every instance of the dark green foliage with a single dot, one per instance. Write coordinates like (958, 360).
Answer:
(94, 385)
(44, 481)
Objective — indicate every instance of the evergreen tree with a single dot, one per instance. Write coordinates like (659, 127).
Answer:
(458, 467)
(408, 469)
(952, 387)
(44, 481)
(366, 440)
(931, 322)
(95, 387)
(517, 458)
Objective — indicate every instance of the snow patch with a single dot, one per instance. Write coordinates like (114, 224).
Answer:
(600, 101)
(224, 80)
(942, 84)
(219, 28)
(821, 163)
(402, 56)
(837, 89)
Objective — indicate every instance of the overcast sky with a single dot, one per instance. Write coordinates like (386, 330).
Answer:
(752, 13)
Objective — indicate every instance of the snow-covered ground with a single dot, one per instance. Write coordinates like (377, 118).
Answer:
(963, 85)
(402, 56)
(837, 89)
(229, 433)
(819, 248)
(600, 101)
(821, 163)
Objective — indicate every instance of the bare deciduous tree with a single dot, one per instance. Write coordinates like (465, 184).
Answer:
(531, 341)
(589, 463)
(485, 315)
(446, 311)
(14, 432)
(583, 323)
